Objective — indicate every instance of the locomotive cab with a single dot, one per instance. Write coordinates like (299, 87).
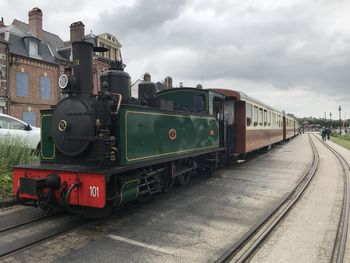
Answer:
(210, 102)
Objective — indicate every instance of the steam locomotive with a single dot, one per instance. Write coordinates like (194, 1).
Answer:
(99, 152)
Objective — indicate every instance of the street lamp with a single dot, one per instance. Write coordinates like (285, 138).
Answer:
(339, 109)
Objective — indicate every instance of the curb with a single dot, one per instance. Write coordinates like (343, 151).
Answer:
(7, 203)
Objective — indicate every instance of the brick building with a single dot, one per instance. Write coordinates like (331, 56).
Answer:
(35, 59)
(102, 60)
(4, 73)
(34, 66)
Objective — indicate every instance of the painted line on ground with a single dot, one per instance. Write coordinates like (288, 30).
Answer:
(140, 244)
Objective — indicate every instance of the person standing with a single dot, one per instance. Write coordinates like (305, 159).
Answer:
(328, 133)
(323, 133)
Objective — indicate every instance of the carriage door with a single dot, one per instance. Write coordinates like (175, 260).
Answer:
(218, 110)
(229, 119)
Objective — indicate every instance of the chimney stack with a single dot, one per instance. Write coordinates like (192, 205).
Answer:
(168, 82)
(146, 77)
(2, 22)
(77, 31)
(36, 22)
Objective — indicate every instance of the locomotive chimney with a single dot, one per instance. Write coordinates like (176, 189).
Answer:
(82, 59)
(35, 17)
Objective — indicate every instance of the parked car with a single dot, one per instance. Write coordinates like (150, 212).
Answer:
(11, 127)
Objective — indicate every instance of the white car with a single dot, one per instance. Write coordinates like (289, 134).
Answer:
(11, 127)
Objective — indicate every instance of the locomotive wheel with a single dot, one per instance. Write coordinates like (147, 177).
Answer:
(183, 178)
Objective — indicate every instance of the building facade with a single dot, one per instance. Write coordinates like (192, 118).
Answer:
(4, 73)
(34, 67)
(102, 60)
(31, 61)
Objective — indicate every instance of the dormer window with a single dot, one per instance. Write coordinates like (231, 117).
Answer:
(33, 48)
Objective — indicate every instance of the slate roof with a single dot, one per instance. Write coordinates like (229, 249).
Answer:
(48, 46)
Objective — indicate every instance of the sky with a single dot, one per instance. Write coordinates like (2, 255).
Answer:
(292, 55)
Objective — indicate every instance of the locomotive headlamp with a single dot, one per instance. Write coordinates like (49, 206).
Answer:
(63, 81)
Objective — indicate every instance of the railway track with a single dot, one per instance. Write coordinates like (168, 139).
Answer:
(245, 248)
(340, 242)
(28, 233)
(25, 222)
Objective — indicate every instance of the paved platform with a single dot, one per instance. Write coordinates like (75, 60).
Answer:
(194, 223)
(308, 232)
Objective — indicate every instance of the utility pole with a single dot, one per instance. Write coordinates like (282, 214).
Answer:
(325, 118)
(330, 117)
(339, 109)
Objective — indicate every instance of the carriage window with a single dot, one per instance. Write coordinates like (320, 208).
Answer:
(261, 117)
(274, 119)
(249, 114)
(265, 118)
(255, 116)
(280, 122)
(269, 118)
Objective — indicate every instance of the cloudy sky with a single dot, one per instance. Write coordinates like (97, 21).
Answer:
(293, 55)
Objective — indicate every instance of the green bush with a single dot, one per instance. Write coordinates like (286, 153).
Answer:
(12, 152)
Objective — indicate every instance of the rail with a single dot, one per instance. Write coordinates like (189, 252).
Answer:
(8, 248)
(340, 242)
(242, 250)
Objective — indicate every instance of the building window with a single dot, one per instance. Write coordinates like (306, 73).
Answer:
(22, 89)
(29, 117)
(45, 88)
(33, 48)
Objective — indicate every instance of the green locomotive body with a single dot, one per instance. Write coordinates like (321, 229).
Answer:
(100, 151)
(147, 134)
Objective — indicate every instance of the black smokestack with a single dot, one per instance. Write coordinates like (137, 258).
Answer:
(82, 59)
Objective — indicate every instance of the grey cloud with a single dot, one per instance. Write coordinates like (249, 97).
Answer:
(142, 17)
(281, 44)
